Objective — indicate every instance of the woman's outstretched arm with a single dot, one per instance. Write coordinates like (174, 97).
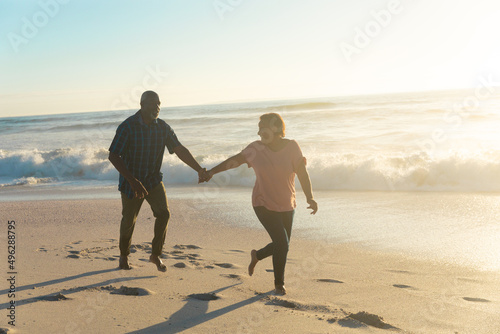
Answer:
(233, 162)
(305, 182)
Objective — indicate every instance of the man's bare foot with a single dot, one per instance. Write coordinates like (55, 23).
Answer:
(156, 260)
(253, 262)
(124, 263)
(279, 290)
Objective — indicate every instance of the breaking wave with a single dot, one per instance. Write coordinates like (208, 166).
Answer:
(347, 171)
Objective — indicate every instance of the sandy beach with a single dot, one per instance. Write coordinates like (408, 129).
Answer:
(67, 280)
(393, 107)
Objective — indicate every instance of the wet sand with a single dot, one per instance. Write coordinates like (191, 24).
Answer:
(67, 280)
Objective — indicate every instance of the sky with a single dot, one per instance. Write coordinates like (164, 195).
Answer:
(64, 56)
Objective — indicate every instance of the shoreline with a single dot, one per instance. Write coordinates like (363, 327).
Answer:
(68, 249)
(368, 211)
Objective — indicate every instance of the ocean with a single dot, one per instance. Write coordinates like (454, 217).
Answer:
(416, 173)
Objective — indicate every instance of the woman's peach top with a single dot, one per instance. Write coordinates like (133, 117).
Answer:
(275, 171)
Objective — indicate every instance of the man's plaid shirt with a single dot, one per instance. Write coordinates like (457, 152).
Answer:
(141, 147)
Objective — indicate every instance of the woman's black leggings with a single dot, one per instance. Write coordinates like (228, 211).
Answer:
(279, 227)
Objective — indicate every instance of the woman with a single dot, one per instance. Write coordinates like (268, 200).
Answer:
(275, 161)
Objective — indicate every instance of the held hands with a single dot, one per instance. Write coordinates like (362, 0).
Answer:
(313, 206)
(204, 175)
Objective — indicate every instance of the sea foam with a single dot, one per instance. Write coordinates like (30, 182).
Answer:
(347, 171)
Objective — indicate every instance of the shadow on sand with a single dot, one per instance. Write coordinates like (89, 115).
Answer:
(70, 291)
(194, 312)
(59, 280)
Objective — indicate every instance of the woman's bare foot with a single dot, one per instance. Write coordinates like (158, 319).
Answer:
(156, 260)
(253, 262)
(124, 263)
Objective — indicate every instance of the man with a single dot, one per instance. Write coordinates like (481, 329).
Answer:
(137, 153)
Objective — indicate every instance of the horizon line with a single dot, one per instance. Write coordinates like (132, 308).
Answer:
(248, 101)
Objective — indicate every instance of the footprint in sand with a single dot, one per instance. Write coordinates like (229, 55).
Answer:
(94, 252)
(476, 300)
(187, 247)
(123, 290)
(109, 240)
(365, 318)
(130, 291)
(195, 263)
(233, 276)
(178, 255)
(204, 296)
(283, 303)
(400, 272)
(404, 286)
(348, 323)
(182, 256)
(107, 258)
(180, 265)
(136, 247)
(226, 265)
(295, 305)
(324, 312)
(328, 280)
(53, 298)
(236, 251)
(41, 249)
(469, 280)
(73, 254)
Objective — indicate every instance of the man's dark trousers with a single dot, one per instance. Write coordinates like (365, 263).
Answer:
(157, 199)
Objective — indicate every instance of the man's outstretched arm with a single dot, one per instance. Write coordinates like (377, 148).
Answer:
(136, 185)
(186, 157)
